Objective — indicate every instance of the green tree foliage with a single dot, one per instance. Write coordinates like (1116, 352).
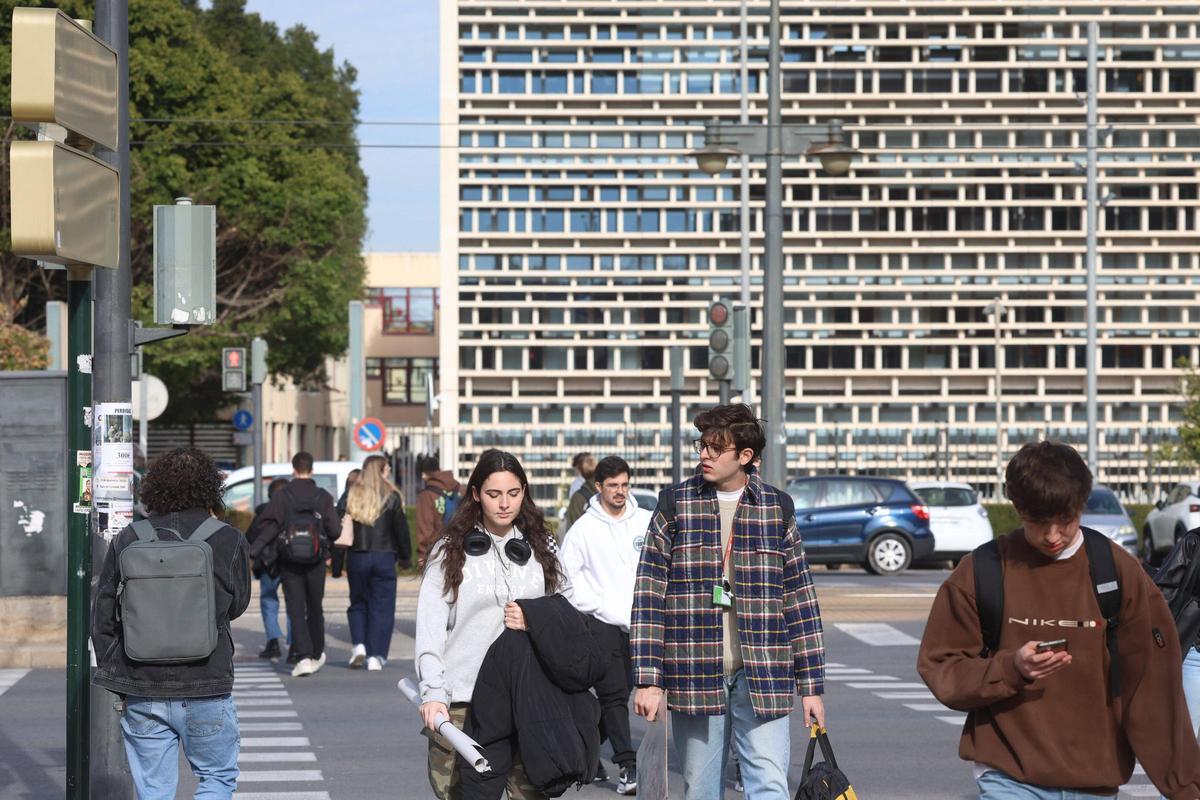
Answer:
(205, 86)
(1186, 449)
(20, 349)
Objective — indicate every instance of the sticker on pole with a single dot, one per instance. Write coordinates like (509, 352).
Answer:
(242, 420)
(369, 434)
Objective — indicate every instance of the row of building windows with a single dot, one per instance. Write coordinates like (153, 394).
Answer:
(976, 218)
(857, 53)
(828, 357)
(828, 81)
(1030, 28)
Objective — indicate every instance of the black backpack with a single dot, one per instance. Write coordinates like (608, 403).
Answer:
(989, 595)
(1179, 580)
(823, 781)
(300, 540)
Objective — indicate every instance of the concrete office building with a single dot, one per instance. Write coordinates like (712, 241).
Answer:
(580, 242)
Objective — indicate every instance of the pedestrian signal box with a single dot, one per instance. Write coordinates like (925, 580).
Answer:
(233, 369)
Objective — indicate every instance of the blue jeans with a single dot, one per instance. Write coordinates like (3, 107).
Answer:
(372, 612)
(995, 785)
(268, 601)
(154, 727)
(764, 748)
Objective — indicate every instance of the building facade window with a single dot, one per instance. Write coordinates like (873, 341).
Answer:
(405, 380)
(406, 310)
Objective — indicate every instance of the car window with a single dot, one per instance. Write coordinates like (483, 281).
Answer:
(1103, 502)
(804, 495)
(240, 496)
(328, 482)
(949, 497)
(1179, 494)
(848, 493)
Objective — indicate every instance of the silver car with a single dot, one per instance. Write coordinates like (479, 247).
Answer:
(1105, 514)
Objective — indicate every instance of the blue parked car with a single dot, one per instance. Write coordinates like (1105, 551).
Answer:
(876, 522)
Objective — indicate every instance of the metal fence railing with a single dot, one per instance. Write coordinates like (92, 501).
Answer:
(1129, 460)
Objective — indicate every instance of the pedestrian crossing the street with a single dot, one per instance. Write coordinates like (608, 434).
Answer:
(9, 678)
(277, 761)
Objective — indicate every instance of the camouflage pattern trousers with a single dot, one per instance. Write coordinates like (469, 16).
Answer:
(444, 765)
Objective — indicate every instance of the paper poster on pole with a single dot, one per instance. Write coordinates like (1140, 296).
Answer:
(113, 516)
(112, 449)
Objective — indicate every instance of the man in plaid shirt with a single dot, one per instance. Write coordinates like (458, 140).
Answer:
(725, 616)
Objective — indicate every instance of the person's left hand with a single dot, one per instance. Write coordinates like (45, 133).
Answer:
(814, 710)
(514, 617)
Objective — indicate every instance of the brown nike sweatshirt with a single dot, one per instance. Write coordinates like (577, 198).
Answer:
(1064, 731)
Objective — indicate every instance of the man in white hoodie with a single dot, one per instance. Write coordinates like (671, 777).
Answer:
(600, 555)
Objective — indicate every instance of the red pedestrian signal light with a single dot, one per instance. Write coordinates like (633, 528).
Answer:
(233, 358)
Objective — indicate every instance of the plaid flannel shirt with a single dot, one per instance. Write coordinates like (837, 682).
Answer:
(677, 634)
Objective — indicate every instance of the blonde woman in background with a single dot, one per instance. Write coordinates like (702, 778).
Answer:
(376, 529)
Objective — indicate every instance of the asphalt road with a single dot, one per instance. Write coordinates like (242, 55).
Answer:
(349, 734)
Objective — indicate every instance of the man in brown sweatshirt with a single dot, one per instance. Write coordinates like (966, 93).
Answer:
(1042, 723)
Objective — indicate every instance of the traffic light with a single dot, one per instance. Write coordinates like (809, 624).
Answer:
(233, 369)
(720, 340)
(65, 203)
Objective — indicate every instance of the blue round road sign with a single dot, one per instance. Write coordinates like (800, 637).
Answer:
(369, 434)
(242, 420)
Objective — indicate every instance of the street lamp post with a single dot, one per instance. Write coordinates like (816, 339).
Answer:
(1093, 204)
(825, 142)
(995, 310)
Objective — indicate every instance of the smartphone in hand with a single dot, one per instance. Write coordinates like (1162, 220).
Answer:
(1052, 646)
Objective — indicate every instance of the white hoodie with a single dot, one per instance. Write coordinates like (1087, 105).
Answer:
(600, 556)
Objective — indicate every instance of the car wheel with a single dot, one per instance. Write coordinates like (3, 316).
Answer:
(888, 554)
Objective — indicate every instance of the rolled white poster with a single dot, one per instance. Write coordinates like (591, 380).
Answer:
(464, 745)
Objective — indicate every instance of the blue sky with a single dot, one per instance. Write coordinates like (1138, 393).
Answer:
(394, 46)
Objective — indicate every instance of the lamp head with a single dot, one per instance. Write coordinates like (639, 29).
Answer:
(835, 157)
(713, 159)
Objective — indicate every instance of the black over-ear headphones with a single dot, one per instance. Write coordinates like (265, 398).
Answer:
(478, 542)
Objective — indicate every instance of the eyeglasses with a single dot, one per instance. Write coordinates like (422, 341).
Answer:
(714, 450)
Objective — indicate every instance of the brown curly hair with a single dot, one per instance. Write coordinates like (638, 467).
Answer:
(468, 514)
(181, 480)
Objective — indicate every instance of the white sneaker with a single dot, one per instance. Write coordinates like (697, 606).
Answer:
(304, 667)
(374, 664)
(318, 663)
(358, 655)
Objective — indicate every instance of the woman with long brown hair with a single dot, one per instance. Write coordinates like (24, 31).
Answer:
(496, 549)
(380, 539)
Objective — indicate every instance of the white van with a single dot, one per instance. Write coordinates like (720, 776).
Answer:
(239, 484)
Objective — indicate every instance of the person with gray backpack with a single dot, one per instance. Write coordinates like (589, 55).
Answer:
(168, 590)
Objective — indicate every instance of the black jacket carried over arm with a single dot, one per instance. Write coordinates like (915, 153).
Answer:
(207, 677)
(1179, 579)
(535, 685)
(275, 516)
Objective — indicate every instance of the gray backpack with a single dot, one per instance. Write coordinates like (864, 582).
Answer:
(166, 601)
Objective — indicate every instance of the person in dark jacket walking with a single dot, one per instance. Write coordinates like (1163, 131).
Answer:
(375, 512)
(1179, 578)
(582, 496)
(189, 704)
(303, 583)
(268, 584)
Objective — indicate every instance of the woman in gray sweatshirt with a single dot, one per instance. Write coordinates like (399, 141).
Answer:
(496, 549)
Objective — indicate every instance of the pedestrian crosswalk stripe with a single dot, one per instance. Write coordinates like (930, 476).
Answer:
(846, 671)
(9, 678)
(281, 795)
(1139, 790)
(280, 775)
(954, 719)
(250, 694)
(262, 701)
(275, 741)
(914, 695)
(878, 634)
(860, 678)
(270, 726)
(276, 757)
(888, 686)
(926, 706)
(260, 713)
